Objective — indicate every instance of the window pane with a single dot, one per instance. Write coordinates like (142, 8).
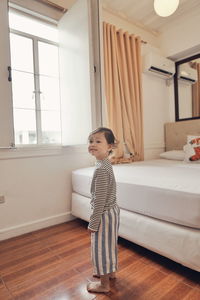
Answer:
(33, 26)
(50, 93)
(23, 90)
(51, 127)
(25, 126)
(21, 53)
(48, 59)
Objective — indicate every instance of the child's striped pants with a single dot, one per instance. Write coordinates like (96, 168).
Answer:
(104, 243)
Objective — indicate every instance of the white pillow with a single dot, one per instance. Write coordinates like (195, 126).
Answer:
(173, 154)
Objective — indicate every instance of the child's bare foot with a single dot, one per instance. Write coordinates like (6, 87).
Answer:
(111, 275)
(96, 276)
(97, 287)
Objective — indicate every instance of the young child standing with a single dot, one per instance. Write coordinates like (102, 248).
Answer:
(104, 220)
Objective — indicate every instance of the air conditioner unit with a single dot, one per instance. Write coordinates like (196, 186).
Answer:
(187, 74)
(158, 65)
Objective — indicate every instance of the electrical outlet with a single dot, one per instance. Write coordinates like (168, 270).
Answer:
(2, 199)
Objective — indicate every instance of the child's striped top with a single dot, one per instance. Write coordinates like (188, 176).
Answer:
(103, 192)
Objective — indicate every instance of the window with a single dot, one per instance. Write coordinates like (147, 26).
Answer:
(35, 80)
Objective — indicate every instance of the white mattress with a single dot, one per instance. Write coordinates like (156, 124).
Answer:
(163, 189)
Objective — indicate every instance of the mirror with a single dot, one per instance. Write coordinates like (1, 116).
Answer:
(187, 88)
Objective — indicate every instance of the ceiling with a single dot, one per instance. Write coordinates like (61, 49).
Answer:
(141, 12)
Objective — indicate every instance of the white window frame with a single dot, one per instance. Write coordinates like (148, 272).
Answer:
(37, 91)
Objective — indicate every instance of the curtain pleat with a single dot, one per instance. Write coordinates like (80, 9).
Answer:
(122, 65)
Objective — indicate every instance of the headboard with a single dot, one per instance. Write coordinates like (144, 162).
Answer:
(176, 133)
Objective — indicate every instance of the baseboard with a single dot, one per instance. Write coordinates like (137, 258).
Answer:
(14, 231)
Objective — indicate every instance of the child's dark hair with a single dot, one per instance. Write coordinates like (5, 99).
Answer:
(109, 136)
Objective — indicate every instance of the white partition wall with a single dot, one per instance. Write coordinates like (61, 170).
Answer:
(77, 73)
(6, 118)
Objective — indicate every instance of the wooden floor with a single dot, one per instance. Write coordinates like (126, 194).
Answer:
(54, 264)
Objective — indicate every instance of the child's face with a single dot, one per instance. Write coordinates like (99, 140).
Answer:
(98, 146)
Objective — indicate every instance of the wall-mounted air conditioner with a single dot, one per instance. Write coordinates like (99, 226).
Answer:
(158, 65)
(187, 74)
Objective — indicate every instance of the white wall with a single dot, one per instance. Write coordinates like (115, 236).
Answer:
(37, 190)
(182, 39)
(156, 114)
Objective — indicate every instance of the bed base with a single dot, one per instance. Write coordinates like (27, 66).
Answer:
(177, 242)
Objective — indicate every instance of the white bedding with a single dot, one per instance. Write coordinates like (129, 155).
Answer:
(163, 189)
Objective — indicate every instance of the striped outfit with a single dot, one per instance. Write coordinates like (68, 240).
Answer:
(104, 219)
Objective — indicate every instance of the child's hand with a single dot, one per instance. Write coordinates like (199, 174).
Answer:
(91, 231)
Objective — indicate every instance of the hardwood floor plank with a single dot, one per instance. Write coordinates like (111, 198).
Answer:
(51, 231)
(63, 235)
(64, 242)
(73, 249)
(20, 241)
(194, 294)
(159, 289)
(140, 280)
(4, 293)
(54, 263)
(54, 285)
(74, 288)
(20, 257)
(32, 288)
(132, 285)
(191, 277)
(28, 261)
(177, 292)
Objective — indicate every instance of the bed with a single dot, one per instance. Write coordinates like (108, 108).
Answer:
(159, 200)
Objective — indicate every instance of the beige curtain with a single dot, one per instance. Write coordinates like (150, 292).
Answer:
(122, 64)
(196, 94)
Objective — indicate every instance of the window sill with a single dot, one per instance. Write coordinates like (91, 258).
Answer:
(37, 151)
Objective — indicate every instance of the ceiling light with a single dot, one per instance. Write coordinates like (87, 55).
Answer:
(165, 8)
